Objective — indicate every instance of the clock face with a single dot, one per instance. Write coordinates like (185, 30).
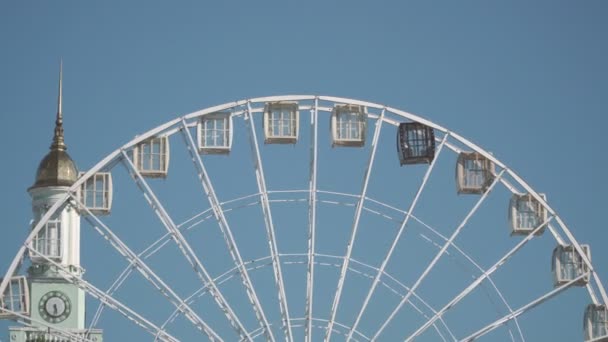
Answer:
(54, 307)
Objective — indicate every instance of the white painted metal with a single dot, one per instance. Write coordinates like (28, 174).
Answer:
(479, 280)
(312, 222)
(226, 231)
(270, 232)
(184, 247)
(441, 252)
(521, 310)
(355, 227)
(148, 274)
(397, 236)
(456, 143)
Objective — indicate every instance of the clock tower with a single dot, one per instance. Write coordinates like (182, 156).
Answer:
(54, 301)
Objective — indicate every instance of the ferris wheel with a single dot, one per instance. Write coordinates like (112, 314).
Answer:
(298, 218)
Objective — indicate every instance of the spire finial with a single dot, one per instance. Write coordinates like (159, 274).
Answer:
(58, 142)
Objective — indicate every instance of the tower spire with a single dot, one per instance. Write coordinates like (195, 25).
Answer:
(58, 141)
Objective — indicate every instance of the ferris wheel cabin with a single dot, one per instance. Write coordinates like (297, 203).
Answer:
(415, 143)
(474, 173)
(348, 125)
(215, 133)
(526, 214)
(568, 265)
(596, 323)
(151, 157)
(281, 121)
(96, 193)
(16, 298)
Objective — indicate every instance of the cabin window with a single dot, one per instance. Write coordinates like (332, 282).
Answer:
(474, 173)
(415, 143)
(568, 265)
(281, 123)
(596, 323)
(526, 214)
(152, 157)
(348, 125)
(96, 193)
(215, 133)
(15, 297)
(48, 240)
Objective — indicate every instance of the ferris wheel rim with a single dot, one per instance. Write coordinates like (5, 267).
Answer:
(173, 124)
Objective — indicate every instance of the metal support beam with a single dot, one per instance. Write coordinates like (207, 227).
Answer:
(270, 232)
(351, 243)
(184, 246)
(479, 280)
(312, 222)
(147, 272)
(522, 310)
(441, 252)
(226, 231)
(397, 237)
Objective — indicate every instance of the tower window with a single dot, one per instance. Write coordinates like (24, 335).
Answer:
(415, 143)
(526, 214)
(474, 173)
(215, 133)
(96, 193)
(281, 123)
(567, 265)
(348, 125)
(596, 323)
(16, 297)
(152, 157)
(48, 240)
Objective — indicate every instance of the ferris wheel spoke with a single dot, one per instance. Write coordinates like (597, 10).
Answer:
(104, 297)
(523, 309)
(479, 280)
(226, 231)
(145, 254)
(476, 265)
(398, 235)
(358, 210)
(184, 247)
(147, 272)
(440, 253)
(270, 232)
(312, 222)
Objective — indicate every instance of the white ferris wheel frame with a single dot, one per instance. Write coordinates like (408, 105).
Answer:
(246, 109)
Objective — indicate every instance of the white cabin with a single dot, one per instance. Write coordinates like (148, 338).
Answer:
(215, 133)
(474, 173)
(348, 125)
(281, 121)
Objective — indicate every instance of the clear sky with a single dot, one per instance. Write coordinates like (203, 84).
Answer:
(526, 80)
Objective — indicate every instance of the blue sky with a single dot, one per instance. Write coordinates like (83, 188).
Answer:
(525, 80)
